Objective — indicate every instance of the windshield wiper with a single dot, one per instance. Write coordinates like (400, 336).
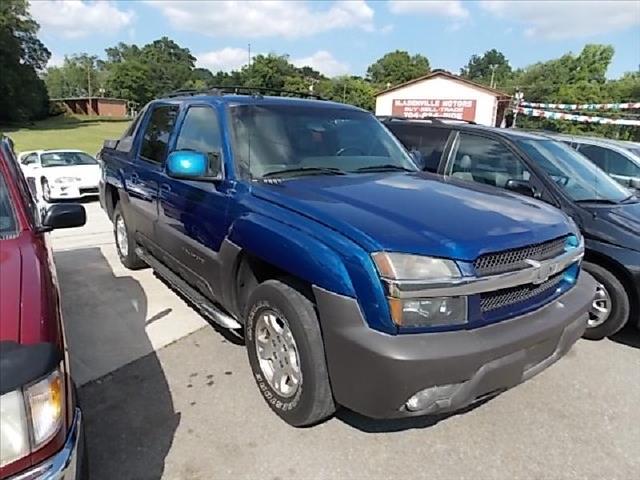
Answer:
(306, 171)
(598, 200)
(387, 167)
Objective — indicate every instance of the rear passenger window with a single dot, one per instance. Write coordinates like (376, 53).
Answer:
(157, 133)
(200, 131)
(428, 142)
(487, 161)
(126, 141)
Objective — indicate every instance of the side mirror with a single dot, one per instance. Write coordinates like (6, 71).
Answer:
(189, 164)
(520, 186)
(63, 215)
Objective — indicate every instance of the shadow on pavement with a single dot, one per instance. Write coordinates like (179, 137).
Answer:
(372, 425)
(629, 336)
(129, 415)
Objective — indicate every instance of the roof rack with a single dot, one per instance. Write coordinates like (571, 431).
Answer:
(386, 118)
(240, 90)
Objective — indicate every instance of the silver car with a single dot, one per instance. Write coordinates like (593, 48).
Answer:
(619, 159)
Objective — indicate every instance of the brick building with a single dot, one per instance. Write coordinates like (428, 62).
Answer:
(103, 107)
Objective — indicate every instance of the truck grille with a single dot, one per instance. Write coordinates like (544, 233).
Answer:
(510, 296)
(511, 260)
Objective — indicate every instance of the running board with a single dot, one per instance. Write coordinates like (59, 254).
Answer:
(204, 305)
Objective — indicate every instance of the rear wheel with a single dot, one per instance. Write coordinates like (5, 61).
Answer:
(286, 354)
(611, 307)
(125, 244)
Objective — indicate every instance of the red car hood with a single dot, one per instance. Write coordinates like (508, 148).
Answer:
(10, 282)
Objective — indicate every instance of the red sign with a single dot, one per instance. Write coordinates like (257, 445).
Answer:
(458, 109)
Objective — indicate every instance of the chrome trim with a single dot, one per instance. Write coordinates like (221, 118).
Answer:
(538, 273)
(63, 465)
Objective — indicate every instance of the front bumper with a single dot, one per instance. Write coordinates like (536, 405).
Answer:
(62, 191)
(64, 465)
(374, 373)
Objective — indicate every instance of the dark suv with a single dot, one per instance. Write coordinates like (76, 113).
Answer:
(541, 167)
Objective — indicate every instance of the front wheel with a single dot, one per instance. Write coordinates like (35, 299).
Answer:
(286, 354)
(611, 307)
(125, 243)
(46, 191)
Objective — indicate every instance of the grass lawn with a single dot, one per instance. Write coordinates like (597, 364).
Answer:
(80, 132)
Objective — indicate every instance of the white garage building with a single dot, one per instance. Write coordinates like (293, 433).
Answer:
(442, 94)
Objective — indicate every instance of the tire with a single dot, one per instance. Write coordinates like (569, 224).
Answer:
(618, 300)
(311, 400)
(46, 191)
(125, 243)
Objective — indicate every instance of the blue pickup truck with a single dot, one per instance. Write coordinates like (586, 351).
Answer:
(355, 279)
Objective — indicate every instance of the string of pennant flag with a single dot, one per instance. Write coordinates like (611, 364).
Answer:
(534, 112)
(583, 106)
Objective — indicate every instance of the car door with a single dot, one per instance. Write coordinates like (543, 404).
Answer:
(142, 179)
(487, 160)
(193, 218)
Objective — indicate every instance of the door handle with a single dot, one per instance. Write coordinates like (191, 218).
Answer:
(135, 178)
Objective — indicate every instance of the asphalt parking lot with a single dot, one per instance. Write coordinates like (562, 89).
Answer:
(165, 395)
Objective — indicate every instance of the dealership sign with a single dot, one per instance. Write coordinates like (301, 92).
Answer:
(459, 109)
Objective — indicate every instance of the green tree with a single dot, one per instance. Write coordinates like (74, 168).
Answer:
(22, 56)
(268, 71)
(397, 67)
(488, 67)
(81, 75)
(349, 89)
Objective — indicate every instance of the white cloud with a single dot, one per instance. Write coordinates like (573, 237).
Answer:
(264, 18)
(555, 20)
(55, 60)
(323, 62)
(442, 8)
(75, 19)
(226, 59)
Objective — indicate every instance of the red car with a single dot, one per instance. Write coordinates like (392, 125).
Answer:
(41, 434)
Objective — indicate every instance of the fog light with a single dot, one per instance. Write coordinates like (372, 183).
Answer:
(439, 396)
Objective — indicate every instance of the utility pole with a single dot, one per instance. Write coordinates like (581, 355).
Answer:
(249, 54)
(89, 80)
(493, 71)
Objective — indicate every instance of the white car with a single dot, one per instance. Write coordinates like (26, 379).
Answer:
(60, 174)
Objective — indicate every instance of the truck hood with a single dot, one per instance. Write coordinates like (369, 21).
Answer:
(10, 280)
(419, 213)
(617, 224)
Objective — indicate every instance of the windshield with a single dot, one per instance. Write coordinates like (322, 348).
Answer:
(580, 179)
(7, 217)
(273, 139)
(66, 159)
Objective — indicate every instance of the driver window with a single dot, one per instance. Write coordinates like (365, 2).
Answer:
(486, 161)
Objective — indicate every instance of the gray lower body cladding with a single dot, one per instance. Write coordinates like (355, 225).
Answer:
(374, 373)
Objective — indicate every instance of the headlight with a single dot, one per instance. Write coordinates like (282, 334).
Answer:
(30, 417)
(67, 179)
(402, 266)
(428, 312)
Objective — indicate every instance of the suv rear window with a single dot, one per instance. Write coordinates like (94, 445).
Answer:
(8, 224)
(427, 141)
(156, 136)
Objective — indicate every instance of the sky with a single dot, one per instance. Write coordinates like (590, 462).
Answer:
(344, 37)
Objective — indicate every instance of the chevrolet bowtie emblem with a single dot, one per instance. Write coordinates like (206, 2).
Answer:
(542, 270)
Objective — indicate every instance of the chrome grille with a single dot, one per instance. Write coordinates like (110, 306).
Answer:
(510, 296)
(511, 260)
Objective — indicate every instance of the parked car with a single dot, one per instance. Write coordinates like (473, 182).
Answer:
(536, 165)
(355, 279)
(621, 160)
(41, 430)
(60, 174)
